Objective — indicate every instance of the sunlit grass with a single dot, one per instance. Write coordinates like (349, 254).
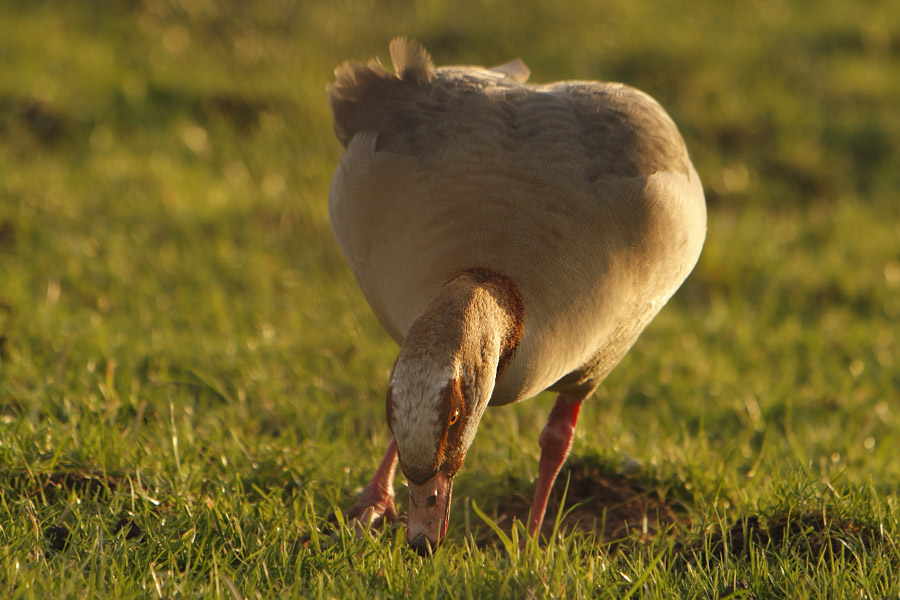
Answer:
(191, 382)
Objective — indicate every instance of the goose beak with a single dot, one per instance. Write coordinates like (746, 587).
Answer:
(429, 513)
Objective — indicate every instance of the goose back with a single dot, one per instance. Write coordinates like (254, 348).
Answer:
(582, 193)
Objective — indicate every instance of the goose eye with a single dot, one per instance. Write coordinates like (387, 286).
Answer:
(454, 417)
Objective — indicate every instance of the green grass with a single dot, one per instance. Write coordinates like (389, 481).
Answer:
(191, 381)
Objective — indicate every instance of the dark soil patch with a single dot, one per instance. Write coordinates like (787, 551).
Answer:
(740, 589)
(132, 530)
(84, 483)
(46, 123)
(7, 233)
(612, 506)
(807, 533)
(57, 537)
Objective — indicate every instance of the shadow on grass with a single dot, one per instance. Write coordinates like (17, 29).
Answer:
(808, 534)
(612, 506)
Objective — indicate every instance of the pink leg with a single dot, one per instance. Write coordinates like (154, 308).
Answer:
(376, 503)
(556, 442)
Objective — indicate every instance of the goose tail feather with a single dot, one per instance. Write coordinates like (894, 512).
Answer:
(361, 92)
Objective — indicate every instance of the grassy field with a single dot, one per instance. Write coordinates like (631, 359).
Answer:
(191, 381)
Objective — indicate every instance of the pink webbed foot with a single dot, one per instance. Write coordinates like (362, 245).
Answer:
(375, 506)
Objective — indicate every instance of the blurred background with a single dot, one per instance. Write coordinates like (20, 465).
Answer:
(164, 174)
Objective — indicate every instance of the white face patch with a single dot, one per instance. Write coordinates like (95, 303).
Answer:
(415, 413)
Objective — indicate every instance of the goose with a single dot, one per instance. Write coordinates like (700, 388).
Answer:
(512, 238)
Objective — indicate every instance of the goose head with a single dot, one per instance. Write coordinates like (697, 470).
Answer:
(433, 412)
(440, 386)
